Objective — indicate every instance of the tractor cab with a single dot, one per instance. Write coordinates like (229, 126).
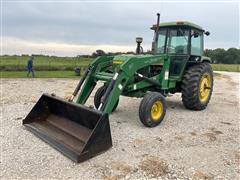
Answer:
(182, 41)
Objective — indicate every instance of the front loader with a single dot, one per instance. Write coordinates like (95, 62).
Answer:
(176, 65)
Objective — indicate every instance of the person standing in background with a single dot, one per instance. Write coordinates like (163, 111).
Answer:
(30, 66)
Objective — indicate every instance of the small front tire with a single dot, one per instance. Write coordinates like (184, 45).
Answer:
(98, 95)
(152, 109)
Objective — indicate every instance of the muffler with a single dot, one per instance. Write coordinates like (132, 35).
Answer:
(73, 129)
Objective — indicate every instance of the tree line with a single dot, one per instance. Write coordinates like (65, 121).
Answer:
(222, 56)
(218, 56)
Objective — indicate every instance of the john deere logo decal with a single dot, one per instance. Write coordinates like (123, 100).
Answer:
(117, 61)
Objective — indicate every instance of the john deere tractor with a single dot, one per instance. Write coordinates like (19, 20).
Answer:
(176, 65)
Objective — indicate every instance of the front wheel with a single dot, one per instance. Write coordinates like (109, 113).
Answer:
(152, 109)
(98, 95)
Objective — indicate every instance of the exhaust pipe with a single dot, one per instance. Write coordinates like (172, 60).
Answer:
(154, 44)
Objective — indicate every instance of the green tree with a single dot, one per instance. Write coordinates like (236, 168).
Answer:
(219, 55)
(232, 56)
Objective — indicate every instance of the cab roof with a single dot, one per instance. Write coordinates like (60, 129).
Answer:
(178, 23)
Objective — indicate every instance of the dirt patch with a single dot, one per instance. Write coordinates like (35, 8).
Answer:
(109, 178)
(227, 123)
(119, 170)
(70, 86)
(211, 136)
(218, 93)
(18, 118)
(67, 96)
(67, 93)
(193, 133)
(233, 103)
(50, 80)
(154, 167)
(216, 131)
(179, 137)
(122, 167)
(233, 83)
(159, 139)
(33, 100)
(237, 156)
(200, 176)
(139, 141)
(226, 77)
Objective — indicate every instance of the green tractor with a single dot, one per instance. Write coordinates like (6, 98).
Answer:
(176, 65)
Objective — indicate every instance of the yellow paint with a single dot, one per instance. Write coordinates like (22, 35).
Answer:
(117, 62)
(157, 110)
(204, 87)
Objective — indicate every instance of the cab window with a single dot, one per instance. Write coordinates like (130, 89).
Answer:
(196, 43)
(161, 41)
(178, 41)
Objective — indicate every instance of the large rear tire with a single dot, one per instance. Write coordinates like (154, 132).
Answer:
(98, 95)
(152, 109)
(197, 86)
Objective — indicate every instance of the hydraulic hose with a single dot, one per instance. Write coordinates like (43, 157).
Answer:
(80, 84)
(108, 91)
(151, 81)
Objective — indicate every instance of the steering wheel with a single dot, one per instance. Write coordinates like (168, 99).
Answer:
(171, 48)
(160, 49)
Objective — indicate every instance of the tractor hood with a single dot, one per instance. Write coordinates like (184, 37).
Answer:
(120, 59)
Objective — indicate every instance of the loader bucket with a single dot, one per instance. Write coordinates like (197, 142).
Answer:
(75, 130)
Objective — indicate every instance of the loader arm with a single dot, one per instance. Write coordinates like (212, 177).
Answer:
(89, 82)
(128, 70)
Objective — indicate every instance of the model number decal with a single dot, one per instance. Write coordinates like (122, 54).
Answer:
(166, 75)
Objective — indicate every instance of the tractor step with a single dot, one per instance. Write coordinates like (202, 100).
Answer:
(75, 130)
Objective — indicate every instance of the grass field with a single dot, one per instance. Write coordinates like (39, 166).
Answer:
(42, 63)
(226, 67)
(62, 67)
(39, 74)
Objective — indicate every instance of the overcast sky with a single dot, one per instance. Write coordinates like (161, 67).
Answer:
(72, 28)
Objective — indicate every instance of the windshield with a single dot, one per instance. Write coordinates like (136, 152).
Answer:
(178, 41)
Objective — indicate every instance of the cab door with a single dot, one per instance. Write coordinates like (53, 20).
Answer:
(178, 51)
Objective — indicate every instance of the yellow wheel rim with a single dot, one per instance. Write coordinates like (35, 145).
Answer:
(157, 110)
(204, 87)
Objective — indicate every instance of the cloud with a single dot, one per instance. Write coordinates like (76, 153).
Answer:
(110, 24)
(19, 46)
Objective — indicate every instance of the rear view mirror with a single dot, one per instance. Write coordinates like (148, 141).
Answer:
(195, 34)
(207, 33)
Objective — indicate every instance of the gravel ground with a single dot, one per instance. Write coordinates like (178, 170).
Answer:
(187, 145)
